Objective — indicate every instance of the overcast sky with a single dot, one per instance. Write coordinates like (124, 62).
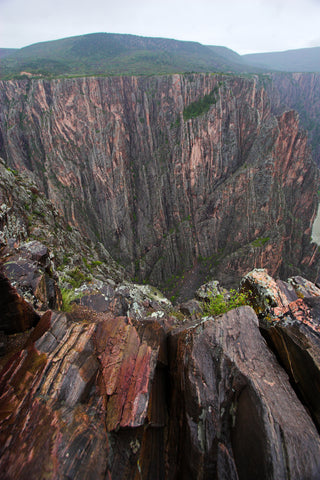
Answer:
(246, 26)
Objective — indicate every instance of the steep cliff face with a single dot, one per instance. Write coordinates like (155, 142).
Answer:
(300, 91)
(173, 173)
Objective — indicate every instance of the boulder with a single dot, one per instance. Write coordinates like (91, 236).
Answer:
(233, 412)
(266, 295)
(296, 340)
(290, 322)
(30, 269)
(46, 395)
(94, 395)
(16, 314)
(83, 381)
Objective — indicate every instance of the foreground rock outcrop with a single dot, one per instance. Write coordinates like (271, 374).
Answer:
(152, 394)
(234, 413)
(173, 174)
(290, 321)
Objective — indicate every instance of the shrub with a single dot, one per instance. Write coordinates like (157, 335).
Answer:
(68, 296)
(201, 106)
(219, 304)
(77, 278)
(260, 242)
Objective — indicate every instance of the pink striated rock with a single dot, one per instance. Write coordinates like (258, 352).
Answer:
(235, 187)
(128, 367)
(265, 293)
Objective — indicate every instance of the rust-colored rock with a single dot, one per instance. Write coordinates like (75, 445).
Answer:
(128, 367)
(290, 321)
(92, 395)
(79, 382)
(46, 396)
(266, 294)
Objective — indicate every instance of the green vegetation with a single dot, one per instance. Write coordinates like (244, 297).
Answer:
(90, 265)
(219, 304)
(299, 60)
(76, 278)
(114, 54)
(178, 315)
(68, 296)
(260, 242)
(201, 106)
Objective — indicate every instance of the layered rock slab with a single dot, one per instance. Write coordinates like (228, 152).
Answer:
(50, 424)
(236, 415)
(92, 395)
(289, 315)
(75, 388)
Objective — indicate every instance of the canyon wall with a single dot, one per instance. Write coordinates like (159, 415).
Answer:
(301, 92)
(166, 183)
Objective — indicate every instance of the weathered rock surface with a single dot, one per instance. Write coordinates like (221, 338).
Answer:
(301, 92)
(30, 269)
(234, 414)
(27, 219)
(94, 395)
(16, 314)
(290, 321)
(46, 400)
(295, 338)
(229, 190)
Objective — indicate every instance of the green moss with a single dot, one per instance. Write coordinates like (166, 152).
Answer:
(68, 296)
(95, 263)
(178, 315)
(219, 304)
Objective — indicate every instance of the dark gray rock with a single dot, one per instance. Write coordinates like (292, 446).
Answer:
(234, 413)
(16, 314)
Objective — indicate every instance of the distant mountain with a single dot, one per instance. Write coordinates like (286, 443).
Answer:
(121, 54)
(114, 54)
(302, 60)
(227, 54)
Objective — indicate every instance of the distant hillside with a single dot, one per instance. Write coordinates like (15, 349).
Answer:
(5, 52)
(227, 54)
(120, 54)
(302, 60)
(114, 54)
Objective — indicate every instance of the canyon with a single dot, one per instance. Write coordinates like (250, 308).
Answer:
(174, 196)
(110, 184)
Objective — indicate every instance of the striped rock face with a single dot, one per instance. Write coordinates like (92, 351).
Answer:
(167, 183)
